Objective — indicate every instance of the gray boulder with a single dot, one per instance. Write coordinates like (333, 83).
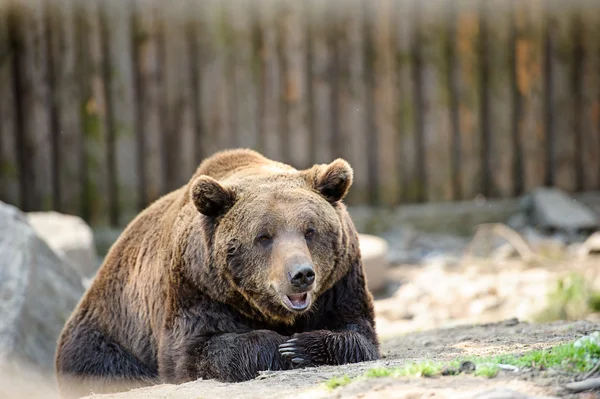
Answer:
(554, 211)
(38, 291)
(69, 237)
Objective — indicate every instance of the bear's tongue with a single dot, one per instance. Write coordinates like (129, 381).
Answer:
(297, 299)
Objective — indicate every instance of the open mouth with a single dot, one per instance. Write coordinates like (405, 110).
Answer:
(297, 302)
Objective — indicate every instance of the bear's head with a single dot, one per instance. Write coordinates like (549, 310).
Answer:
(277, 234)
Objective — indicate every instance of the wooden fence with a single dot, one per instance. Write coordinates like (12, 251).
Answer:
(106, 105)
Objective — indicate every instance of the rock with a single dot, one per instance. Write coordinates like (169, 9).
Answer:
(38, 291)
(374, 256)
(592, 244)
(411, 246)
(518, 221)
(70, 238)
(552, 210)
(503, 393)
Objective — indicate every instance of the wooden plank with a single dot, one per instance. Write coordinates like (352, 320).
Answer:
(123, 109)
(270, 109)
(407, 139)
(529, 97)
(561, 114)
(496, 50)
(294, 86)
(385, 102)
(93, 110)
(9, 166)
(466, 84)
(352, 101)
(436, 129)
(181, 157)
(122, 139)
(588, 87)
(35, 145)
(65, 93)
(194, 32)
(148, 97)
(245, 73)
(215, 97)
(322, 36)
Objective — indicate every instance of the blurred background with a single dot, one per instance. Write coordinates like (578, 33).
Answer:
(473, 127)
(106, 105)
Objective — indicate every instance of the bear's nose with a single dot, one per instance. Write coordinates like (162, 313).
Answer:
(302, 276)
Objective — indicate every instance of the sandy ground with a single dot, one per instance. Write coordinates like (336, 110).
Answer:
(510, 336)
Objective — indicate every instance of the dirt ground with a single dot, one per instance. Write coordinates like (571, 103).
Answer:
(510, 336)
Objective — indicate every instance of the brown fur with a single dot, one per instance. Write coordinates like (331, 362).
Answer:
(193, 288)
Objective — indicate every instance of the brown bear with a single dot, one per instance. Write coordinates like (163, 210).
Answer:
(252, 266)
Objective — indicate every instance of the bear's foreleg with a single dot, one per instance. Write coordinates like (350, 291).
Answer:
(89, 362)
(228, 357)
(322, 347)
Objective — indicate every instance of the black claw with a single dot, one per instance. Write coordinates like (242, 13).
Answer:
(288, 353)
(287, 345)
(292, 340)
(297, 360)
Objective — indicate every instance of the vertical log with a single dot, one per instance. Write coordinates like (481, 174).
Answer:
(215, 96)
(270, 80)
(470, 170)
(561, 116)
(148, 97)
(64, 97)
(324, 27)
(194, 31)
(33, 116)
(294, 87)
(180, 134)
(498, 97)
(587, 90)
(92, 107)
(529, 96)
(385, 102)
(436, 129)
(407, 147)
(9, 165)
(118, 76)
(351, 102)
(245, 73)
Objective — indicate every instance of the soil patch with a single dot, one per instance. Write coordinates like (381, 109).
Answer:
(508, 337)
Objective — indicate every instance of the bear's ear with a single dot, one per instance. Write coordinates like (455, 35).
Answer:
(210, 197)
(334, 180)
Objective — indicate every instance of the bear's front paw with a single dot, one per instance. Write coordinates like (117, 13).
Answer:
(294, 351)
(305, 349)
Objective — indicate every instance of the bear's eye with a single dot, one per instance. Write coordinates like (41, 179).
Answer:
(310, 233)
(264, 238)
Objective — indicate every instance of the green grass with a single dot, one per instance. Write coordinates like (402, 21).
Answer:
(421, 369)
(578, 356)
(575, 357)
(337, 382)
(487, 370)
(572, 298)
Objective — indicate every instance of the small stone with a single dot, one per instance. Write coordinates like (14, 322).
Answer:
(467, 367)
(446, 370)
(511, 322)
